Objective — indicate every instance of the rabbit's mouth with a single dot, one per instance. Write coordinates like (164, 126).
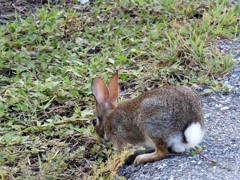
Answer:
(105, 139)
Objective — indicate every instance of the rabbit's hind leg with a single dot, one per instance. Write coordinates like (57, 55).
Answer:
(160, 152)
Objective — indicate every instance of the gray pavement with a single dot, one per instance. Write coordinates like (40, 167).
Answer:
(221, 141)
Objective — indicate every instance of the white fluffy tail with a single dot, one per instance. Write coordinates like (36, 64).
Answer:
(194, 135)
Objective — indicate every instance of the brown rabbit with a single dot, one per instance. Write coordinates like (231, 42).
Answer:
(166, 117)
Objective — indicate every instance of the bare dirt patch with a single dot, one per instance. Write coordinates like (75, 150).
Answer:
(8, 8)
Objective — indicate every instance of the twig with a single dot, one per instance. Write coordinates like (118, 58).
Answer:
(129, 68)
(69, 121)
(208, 159)
(73, 147)
(214, 162)
(29, 162)
(55, 154)
(36, 78)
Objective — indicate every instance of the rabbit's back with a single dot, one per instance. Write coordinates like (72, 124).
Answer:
(165, 113)
(170, 106)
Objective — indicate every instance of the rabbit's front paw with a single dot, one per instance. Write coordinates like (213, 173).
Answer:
(145, 158)
(140, 160)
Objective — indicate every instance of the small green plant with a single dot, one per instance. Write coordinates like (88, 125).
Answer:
(198, 150)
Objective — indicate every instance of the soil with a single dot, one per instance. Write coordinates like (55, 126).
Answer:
(8, 8)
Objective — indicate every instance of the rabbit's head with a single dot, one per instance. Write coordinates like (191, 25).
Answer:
(106, 101)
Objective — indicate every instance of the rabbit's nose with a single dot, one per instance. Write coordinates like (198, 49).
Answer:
(106, 139)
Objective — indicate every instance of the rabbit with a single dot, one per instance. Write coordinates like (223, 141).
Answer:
(161, 119)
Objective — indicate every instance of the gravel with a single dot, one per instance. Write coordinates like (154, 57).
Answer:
(221, 141)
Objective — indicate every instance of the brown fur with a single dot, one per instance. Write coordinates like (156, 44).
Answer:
(149, 119)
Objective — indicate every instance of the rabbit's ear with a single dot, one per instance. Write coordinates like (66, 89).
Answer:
(113, 88)
(100, 91)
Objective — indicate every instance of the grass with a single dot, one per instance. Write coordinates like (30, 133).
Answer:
(48, 60)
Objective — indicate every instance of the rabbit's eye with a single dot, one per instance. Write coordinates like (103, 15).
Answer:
(94, 121)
